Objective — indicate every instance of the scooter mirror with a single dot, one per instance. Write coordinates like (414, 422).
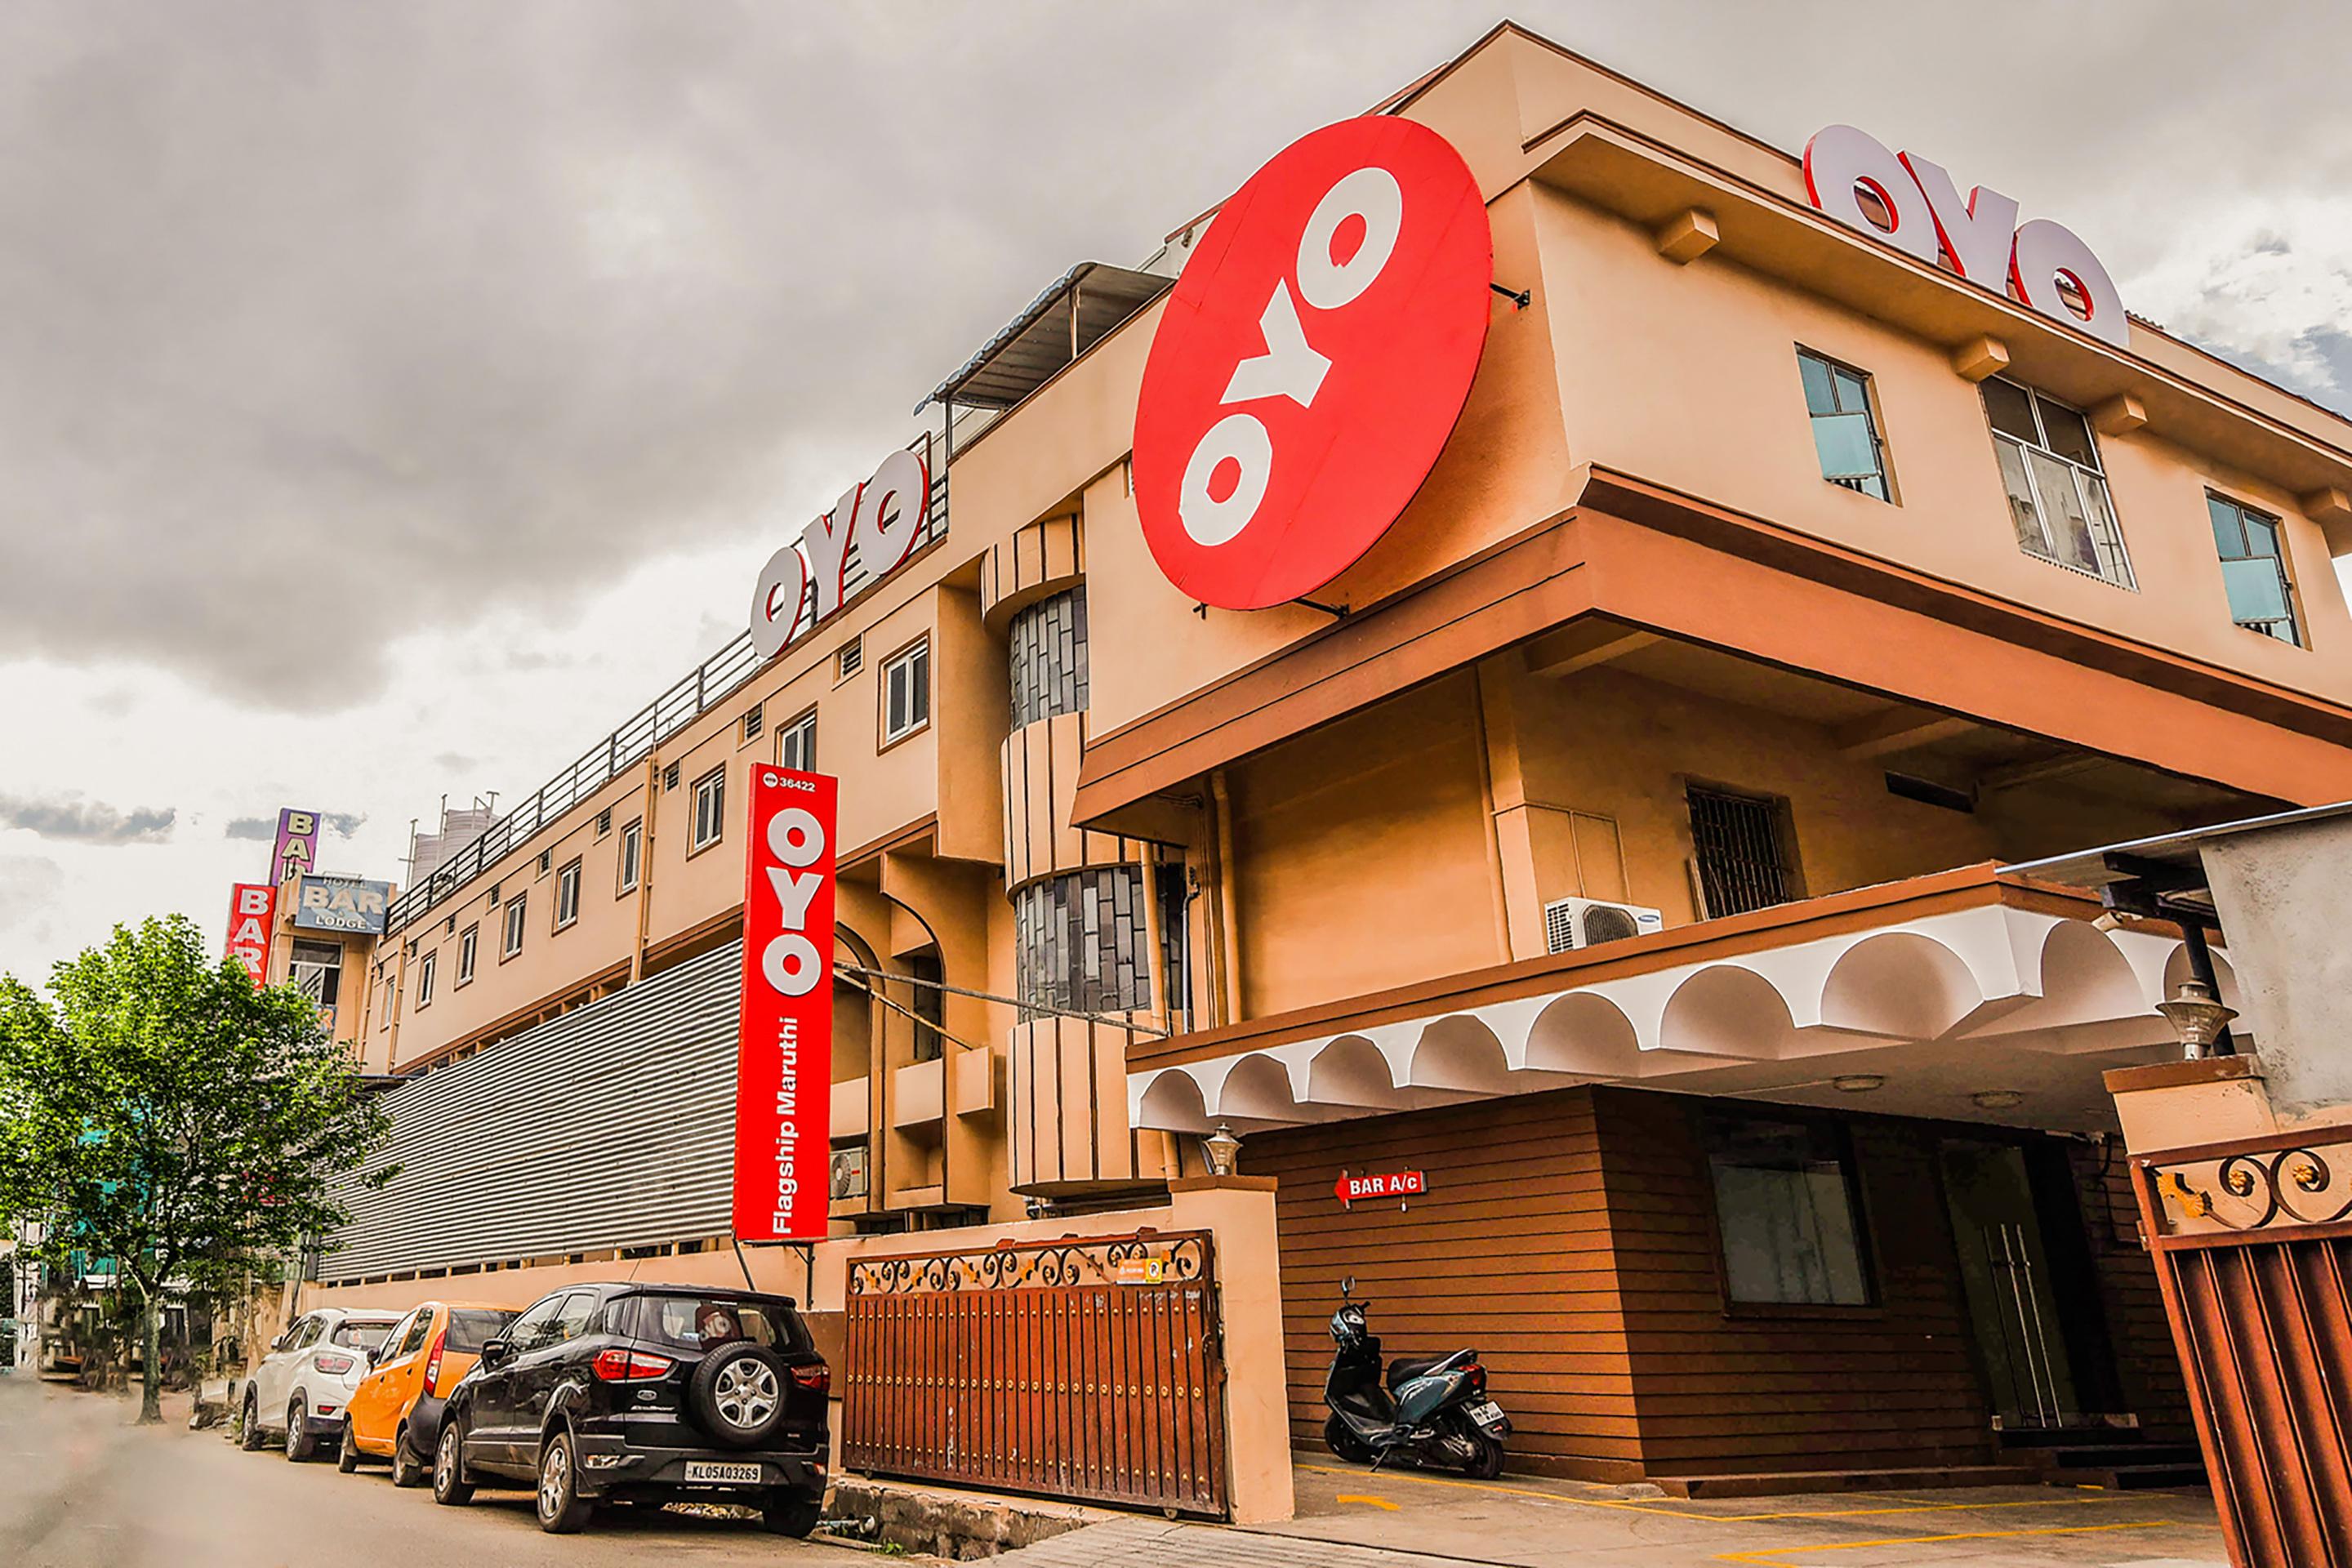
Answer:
(1346, 1287)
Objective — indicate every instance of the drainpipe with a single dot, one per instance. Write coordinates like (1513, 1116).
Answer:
(1228, 919)
(646, 867)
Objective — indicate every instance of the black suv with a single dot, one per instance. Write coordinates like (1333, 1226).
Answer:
(644, 1394)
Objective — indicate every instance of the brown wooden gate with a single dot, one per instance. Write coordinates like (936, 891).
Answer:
(1086, 1370)
(2254, 1246)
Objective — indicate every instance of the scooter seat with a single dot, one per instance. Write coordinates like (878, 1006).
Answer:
(1404, 1369)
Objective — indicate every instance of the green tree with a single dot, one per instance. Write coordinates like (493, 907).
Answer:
(157, 1109)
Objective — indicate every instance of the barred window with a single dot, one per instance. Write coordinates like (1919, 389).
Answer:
(1080, 942)
(1049, 658)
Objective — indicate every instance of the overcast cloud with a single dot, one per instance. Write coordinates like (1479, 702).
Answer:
(392, 397)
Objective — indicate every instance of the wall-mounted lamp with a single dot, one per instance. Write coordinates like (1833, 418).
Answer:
(2197, 1017)
(1858, 1082)
(1996, 1099)
(1221, 1147)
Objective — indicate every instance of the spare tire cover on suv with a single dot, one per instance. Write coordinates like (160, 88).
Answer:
(737, 1394)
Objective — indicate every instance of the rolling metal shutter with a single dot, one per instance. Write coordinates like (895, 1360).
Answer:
(612, 1126)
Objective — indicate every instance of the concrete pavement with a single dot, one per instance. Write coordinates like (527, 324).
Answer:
(80, 1487)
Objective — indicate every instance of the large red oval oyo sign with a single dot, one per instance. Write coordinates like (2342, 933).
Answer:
(1311, 361)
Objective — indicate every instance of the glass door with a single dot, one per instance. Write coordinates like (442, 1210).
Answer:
(2014, 1309)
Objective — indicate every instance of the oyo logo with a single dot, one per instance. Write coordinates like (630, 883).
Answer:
(795, 840)
(883, 516)
(1311, 361)
(1920, 213)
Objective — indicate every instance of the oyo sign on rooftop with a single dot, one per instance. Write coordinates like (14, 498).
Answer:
(1919, 211)
(1311, 363)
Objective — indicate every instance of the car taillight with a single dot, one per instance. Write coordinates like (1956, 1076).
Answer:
(335, 1365)
(628, 1366)
(815, 1379)
(433, 1364)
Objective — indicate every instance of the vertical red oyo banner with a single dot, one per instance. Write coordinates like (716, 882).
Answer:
(783, 1073)
(252, 926)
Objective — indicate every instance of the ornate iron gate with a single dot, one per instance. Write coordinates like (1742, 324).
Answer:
(2254, 1247)
(1087, 1370)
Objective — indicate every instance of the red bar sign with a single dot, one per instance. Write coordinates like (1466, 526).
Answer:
(252, 926)
(783, 1072)
(1394, 1184)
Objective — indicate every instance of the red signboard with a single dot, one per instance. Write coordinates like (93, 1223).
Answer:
(1312, 360)
(783, 1074)
(1393, 1185)
(252, 926)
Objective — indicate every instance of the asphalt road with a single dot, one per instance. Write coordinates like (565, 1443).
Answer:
(80, 1487)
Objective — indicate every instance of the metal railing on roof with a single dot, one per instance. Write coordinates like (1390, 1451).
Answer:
(707, 684)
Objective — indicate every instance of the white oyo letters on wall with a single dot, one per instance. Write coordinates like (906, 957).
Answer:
(884, 517)
(1979, 239)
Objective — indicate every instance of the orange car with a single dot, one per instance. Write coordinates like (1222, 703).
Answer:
(396, 1413)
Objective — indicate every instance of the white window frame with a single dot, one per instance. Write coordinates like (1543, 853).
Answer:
(469, 948)
(799, 735)
(567, 893)
(425, 969)
(2091, 490)
(517, 918)
(914, 662)
(709, 810)
(632, 856)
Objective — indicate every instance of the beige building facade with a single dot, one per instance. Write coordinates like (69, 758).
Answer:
(1117, 869)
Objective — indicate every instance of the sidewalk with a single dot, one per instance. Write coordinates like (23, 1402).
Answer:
(1353, 1519)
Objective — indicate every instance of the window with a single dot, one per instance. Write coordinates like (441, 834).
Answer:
(1047, 648)
(907, 692)
(928, 1003)
(752, 724)
(1785, 1207)
(424, 979)
(538, 1327)
(1740, 852)
(567, 894)
(419, 1326)
(2057, 491)
(2253, 569)
(469, 944)
(633, 839)
(603, 822)
(850, 660)
(546, 861)
(709, 808)
(796, 743)
(669, 777)
(1080, 941)
(1845, 432)
(317, 970)
(514, 925)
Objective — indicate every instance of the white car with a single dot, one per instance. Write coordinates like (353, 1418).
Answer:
(299, 1390)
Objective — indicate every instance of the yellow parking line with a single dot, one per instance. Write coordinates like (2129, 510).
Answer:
(2056, 1500)
(1778, 1556)
(1379, 1503)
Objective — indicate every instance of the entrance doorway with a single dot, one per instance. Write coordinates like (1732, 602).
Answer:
(2016, 1288)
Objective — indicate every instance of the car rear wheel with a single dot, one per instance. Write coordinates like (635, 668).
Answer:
(788, 1513)
(347, 1456)
(249, 1425)
(406, 1470)
(562, 1510)
(298, 1446)
(450, 1488)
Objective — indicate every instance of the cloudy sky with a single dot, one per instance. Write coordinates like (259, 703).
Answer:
(393, 398)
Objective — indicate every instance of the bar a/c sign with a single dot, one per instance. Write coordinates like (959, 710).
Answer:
(783, 1074)
(252, 924)
(1388, 1184)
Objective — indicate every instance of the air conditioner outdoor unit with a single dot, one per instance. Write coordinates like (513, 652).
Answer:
(1572, 924)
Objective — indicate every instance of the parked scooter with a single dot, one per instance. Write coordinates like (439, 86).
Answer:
(1431, 1413)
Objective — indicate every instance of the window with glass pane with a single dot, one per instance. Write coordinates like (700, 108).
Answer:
(2253, 569)
(2057, 491)
(424, 979)
(796, 746)
(317, 970)
(467, 944)
(710, 807)
(1845, 433)
(632, 842)
(1784, 1204)
(567, 894)
(907, 692)
(515, 915)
